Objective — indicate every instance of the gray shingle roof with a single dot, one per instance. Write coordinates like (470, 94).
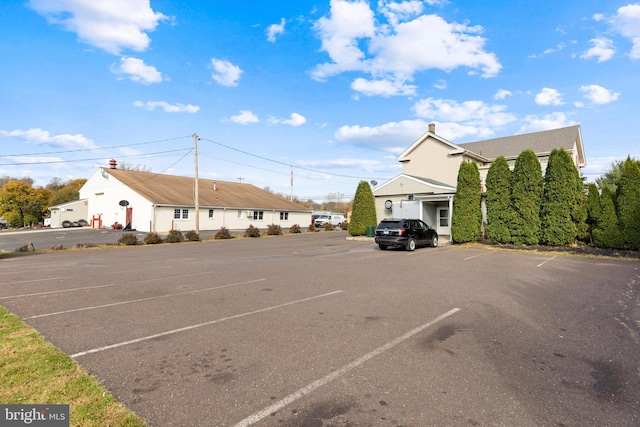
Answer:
(512, 146)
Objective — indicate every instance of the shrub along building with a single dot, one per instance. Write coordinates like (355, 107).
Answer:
(430, 166)
(149, 202)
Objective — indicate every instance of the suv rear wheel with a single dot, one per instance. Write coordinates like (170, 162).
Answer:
(411, 244)
(382, 247)
(434, 241)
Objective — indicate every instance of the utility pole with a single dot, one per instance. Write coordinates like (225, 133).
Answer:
(196, 194)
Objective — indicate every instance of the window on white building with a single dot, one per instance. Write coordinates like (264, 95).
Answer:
(258, 215)
(210, 213)
(185, 213)
(284, 216)
(176, 214)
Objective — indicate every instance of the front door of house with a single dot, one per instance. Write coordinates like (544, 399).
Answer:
(442, 221)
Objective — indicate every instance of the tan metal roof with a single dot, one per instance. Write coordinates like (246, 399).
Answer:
(179, 191)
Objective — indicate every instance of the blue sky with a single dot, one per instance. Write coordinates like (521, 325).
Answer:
(332, 90)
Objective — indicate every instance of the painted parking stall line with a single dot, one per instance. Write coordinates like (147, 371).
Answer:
(84, 288)
(75, 310)
(546, 261)
(50, 279)
(337, 373)
(479, 255)
(200, 325)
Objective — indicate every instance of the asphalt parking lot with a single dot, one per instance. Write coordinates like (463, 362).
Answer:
(315, 330)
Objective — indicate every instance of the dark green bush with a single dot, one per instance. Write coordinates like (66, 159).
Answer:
(498, 201)
(558, 201)
(466, 218)
(223, 233)
(526, 196)
(628, 203)
(174, 236)
(252, 232)
(607, 234)
(128, 239)
(295, 228)
(152, 239)
(274, 230)
(363, 210)
(192, 236)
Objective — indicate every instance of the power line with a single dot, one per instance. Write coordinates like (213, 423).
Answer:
(289, 164)
(94, 149)
(45, 162)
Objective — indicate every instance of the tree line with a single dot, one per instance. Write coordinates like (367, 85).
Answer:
(523, 207)
(23, 205)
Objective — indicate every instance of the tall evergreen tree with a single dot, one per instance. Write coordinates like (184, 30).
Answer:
(498, 201)
(594, 209)
(526, 196)
(628, 198)
(559, 201)
(466, 218)
(606, 234)
(363, 212)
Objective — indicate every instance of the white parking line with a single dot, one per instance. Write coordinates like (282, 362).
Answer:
(544, 262)
(476, 256)
(199, 325)
(335, 374)
(144, 299)
(35, 294)
(48, 279)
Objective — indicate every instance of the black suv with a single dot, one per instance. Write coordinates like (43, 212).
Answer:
(407, 233)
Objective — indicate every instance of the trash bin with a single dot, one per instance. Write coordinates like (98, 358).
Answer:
(371, 230)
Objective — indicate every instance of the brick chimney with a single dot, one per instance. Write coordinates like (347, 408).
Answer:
(112, 164)
(432, 128)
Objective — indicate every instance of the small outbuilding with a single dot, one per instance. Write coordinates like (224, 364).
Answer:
(66, 214)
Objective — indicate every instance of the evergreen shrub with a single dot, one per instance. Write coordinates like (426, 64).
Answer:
(252, 231)
(466, 218)
(152, 238)
(174, 236)
(274, 230)
(363, 210)
(223, 233)
(128, 239)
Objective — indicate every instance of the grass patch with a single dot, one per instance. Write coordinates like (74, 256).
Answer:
(33, 371)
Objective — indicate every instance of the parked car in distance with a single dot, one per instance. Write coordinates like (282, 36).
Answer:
(405, 232)
(333, 219)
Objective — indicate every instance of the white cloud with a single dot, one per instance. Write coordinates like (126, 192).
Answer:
(274, 30)
(602, 49)
(295, 120)
(392, 136)
(225, 73)
(535, 123)
(396, 51)
(440, 84)
(384, 88)
(111, 25)
(245, 117)
(598, 94)
(168, 108)
(468, 112)
(549, 96)
(502, 94)
(626, 21)
(39, 136)
(136, 70)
